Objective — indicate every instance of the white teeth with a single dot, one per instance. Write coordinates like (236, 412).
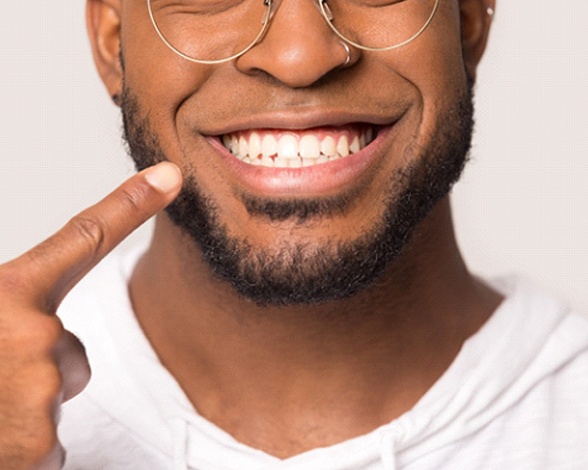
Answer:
(292, 150)
(343, 146)
(243, 146)
(310, 147)
(254, 145)
(266, 161)
(328, 146)
(269, 146)
(280, 163)
(288, 147)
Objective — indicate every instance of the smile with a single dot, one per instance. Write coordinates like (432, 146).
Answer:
(276, 148)
(314, 161)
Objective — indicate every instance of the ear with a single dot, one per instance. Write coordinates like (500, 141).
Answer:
(476, 19)
(103, 25)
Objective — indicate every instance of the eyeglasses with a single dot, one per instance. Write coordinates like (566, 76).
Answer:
(216, 31)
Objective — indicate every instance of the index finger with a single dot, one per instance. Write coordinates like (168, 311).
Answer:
(54, 266)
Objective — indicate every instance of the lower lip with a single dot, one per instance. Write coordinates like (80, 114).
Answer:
(321, 179)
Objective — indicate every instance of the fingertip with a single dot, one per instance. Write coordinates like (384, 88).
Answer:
(165, 177)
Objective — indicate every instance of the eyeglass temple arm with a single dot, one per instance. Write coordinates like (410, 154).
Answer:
(327, 9)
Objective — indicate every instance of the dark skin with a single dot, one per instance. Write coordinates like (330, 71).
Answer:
(307, 377)
(282, 379)
(274, 377)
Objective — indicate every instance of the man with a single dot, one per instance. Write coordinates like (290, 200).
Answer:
(303, 303)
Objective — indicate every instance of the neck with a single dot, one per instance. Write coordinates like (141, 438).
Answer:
(342, 368)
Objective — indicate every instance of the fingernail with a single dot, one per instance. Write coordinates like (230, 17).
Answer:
(164, 176)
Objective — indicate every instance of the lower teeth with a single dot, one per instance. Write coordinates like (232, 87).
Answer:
(277, 162)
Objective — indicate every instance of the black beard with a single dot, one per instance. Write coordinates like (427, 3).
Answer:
(304, 273)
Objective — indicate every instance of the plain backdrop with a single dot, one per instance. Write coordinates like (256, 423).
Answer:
(521, 206)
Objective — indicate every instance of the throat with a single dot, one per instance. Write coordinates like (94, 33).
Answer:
(289, 379)
(285, 388)
(285, 406)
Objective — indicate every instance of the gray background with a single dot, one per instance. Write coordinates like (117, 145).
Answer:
(521, 206)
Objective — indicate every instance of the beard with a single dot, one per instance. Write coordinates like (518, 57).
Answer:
(295, 273)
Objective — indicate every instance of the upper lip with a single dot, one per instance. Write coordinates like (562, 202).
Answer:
(302, 119)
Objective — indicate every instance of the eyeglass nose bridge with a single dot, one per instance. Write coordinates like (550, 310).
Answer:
(321, 6)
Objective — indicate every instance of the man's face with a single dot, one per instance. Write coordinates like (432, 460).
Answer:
(296, 235)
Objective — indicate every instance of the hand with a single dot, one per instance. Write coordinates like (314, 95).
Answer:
(41, 364)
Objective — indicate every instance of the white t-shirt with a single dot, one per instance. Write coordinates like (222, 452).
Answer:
(515, 397)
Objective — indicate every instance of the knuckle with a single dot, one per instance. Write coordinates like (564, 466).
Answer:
(43, 445)
(132, 198)
(35, 333)
(89, 229)
(49, 384)
(29, 335)
(27, 453)
(34, 392)
(48, 440)
(47, 332)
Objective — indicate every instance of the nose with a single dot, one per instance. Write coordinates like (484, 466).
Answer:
(299, 48)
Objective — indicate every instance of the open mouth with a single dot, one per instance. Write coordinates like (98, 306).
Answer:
(285, 148)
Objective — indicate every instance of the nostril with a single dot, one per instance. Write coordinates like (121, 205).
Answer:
(298, 48)
(296, 62)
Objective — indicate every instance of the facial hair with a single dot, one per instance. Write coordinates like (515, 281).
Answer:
(294, 273)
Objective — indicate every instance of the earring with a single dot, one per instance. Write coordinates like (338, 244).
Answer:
(116, 99)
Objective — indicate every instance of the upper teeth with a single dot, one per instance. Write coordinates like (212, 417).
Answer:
(295, 149)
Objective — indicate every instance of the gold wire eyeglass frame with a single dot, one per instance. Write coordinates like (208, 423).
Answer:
(271, 5)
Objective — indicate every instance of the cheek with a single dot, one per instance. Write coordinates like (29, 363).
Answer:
(433, 65)
(435, 60)
(159, 78)
(443, 71)
(162, 83)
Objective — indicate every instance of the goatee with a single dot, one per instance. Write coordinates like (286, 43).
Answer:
(308, 272)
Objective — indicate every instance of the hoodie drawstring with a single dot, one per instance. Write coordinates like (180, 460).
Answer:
(180, 444)
(388, 451)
